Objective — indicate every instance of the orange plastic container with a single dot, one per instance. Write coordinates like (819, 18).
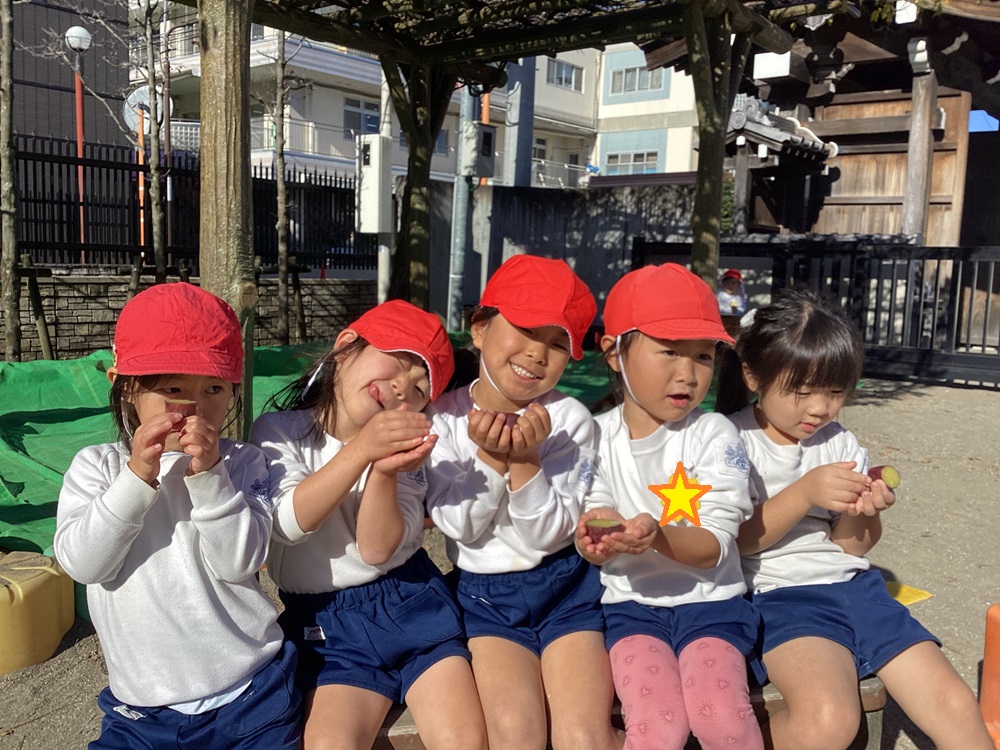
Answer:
(989, 694)
(36, 608)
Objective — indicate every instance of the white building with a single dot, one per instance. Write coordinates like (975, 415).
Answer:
(594, 112)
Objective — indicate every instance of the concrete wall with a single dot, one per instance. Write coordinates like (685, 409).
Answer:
(81, 311)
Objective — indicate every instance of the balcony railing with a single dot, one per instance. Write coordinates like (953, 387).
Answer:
(546, 173)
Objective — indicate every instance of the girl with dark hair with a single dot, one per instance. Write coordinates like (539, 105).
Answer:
(507, 482)
(828, 618)
(679, 630)
(370, 613)
(168, 528)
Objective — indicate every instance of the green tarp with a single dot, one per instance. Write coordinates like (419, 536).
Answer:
(50, 410)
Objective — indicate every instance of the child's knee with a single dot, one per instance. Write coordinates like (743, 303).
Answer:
(517, 732)
(825, 725)
(662, 726)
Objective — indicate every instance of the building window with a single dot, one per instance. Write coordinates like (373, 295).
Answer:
(440, 145)
(628, 80)
(638, 162)
(564, 75)
(540, 149)
(359, 117)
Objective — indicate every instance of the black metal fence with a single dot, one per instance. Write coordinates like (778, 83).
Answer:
(926, 313)
(108, 223)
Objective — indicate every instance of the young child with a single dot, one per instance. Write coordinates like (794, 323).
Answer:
(506, 485)
(828, 618)
(168, 528)
(371, 615)
(732, 298)
(679, 629)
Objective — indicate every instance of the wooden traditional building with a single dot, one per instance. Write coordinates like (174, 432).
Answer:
(889, 93)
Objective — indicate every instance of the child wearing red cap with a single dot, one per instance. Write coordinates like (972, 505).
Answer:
(731, 295)
(371, 615)
(679, 629)
(507, 480)
(168, 528)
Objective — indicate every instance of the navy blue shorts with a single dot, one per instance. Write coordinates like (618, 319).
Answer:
(562, 595)
(380, 636)
(734, 621)
(858, 614)
(266, 714)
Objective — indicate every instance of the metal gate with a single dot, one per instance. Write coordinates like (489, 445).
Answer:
(926, 313)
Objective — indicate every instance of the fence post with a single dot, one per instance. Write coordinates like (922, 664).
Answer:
(300, 316)
(35, 294)
(133, 282)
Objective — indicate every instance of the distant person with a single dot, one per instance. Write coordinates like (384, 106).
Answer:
(507, 482)
(370, 613)
(828, 618)
(168, 528)
(731, 294)
(679, 629)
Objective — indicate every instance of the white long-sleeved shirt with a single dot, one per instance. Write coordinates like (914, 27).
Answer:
(489, 527)
(806, 554)
(326, 559)
(712, 454)
(170, 573)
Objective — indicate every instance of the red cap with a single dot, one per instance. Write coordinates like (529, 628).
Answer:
(666, 302)
(398, 326)
(180, 329)
(530, 292)
(732, 273)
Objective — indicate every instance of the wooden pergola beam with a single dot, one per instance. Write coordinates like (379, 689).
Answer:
(594, 32)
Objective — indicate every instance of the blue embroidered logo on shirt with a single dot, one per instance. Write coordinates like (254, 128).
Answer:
(261, 489)
(736, 458)
(586, 473)
(418, 476)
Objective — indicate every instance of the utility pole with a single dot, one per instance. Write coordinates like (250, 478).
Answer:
(385, 238)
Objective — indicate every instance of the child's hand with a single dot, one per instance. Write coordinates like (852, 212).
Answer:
(600, 552)
(148, 443)
(488, 430)
(639, 534)
(531, 429)
(404, 461)
(874, 501)
(835, 487)
(199, 440)
(391, 432)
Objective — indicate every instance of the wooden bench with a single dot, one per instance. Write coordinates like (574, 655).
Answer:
(399, 733)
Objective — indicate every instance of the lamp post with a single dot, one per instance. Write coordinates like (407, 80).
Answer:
(78, 40)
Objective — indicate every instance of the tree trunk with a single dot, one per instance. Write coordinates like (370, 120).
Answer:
(226, 252)
(279, 178)
(716, 68)
(421, 103)
(155, 168)
(8, 191)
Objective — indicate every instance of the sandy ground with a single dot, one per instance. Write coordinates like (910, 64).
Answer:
(942, 536)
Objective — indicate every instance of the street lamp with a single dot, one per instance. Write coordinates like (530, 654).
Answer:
(78, 39)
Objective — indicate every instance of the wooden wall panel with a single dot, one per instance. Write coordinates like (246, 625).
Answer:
(868, 178)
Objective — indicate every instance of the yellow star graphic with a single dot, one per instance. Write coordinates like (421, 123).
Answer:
(679, 497)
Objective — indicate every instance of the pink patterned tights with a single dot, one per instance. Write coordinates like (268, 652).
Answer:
(704, 691)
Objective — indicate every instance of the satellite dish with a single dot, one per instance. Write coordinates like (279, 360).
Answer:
(139, 99)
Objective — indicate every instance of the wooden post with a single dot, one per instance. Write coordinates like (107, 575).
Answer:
(226, 232)
(36, 305)
(741, 190)
(920, 147)
(10, 283)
